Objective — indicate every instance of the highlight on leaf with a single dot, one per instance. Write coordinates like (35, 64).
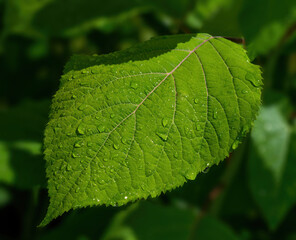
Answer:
(142, 121)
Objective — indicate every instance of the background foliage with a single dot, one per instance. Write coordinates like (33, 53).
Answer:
(251, 195)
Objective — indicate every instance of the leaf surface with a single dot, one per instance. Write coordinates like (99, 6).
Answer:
(135, 123)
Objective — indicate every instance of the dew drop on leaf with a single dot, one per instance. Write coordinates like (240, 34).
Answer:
(78, 144)
(101, 128)
(82, 107)
(123, 140)
(134, 85)
(163, 136)
(75, 155)
(195, 100)
(198, 126)
(190, 175)
(80, 130)
(116, 147)
(235, 144)
(206, 170)
(256, 82)
(165, 122)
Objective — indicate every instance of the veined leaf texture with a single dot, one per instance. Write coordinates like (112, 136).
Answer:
(142, 121)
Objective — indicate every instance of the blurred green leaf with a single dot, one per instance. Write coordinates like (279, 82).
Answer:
(224, 22)
(19, 14)
(81, 224)
(147, 221)
(21, 133)
(264, 23)
(210, 228)
(4, 196)
(35, 18)
(205, 10)
(270, 136)
(272, 166)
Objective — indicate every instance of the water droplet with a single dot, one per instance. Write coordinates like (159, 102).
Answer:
(123, 140)
(105, 159)
(256, 82)
(84, 71)
(82, 107)
(176, 154)
(148, 173)
(190, 175)
(215, 115)
(116, 147)
(78, 144)
(75, 155)
(112, 115)
(195, 100)
(80, 130)
(244, 91)
(235, 144)
(163, 136)
(69, 133)
(125, 197)
(101, 128)
(206, 170)
(245, 130)
(165, 122)
(134, 85)
(101, 165)
(198, 126)
(69, 168)
(102, 182)
(77, 190)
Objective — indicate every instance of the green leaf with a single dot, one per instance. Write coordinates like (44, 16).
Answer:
(63, 17)
(211, 229)
(270, 136)
(135, 123)
(224, 21)
(147, 221)
(21, 134)
(37, 18)
(271, 170)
